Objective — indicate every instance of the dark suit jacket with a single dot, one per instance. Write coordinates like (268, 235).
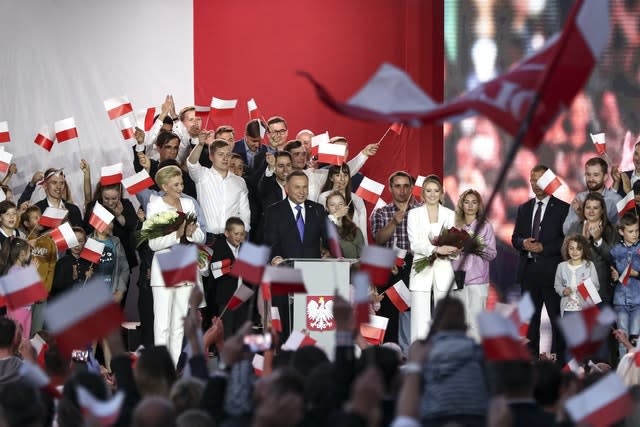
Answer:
(189, 185)
(74, 217)
(225, 285)
(530, 414)
(240, 149)
(551, 235)
(281, 233)
(269, 191)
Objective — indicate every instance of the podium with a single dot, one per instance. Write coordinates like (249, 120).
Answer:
(322, 277)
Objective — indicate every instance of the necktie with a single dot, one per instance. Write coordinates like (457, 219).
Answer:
(300, 222)
(535, 230)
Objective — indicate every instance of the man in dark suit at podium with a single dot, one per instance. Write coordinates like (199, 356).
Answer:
(294, 228)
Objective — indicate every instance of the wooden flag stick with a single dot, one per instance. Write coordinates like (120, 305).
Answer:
(383, 136)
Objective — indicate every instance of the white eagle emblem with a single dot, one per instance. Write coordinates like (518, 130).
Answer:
(320, 313)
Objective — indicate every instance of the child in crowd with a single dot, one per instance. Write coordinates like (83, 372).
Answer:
(570, 273)
(8, 221)
(16, 254)
(113, 267)
(71, 270)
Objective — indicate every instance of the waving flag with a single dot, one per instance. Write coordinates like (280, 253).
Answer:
(589, 292)
(222, 107)
(100, 217)
(65, 130)
(240, 296)
(4, 132)
(106, 412)
(138, 182)
(252, 107)
(378, 262)
(52, 217)
(284, 280)
(179, 265)
(145, 118)
(500, 338)
(297, 340)
(626, 204)
(111, 174)
(599, 142)
(549, 182)
(586, 330)
(22, 287)
(602, 404)
(5, 161)
(400, 296)
(117, 107)
(370, 190)
(251, 262)
(45, 138)
(64, 237)
(92, 251)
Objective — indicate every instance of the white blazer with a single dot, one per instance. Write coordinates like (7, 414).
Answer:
(440, 273)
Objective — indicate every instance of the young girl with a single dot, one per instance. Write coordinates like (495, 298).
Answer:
(351, 238)
(71, 270)
(572, 272)
(16, 254)
(8, 221)
(113, 267)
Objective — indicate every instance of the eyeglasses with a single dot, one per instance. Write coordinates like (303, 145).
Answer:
(279, 132)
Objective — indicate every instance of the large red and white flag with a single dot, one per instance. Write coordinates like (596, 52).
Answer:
(145, 118)
(223, 107)
(65, 130)
(378, 262)
(333, 154)
(52, 217)
(588, 291)
(40, 346)
(64, 237)
(36, 376)
(602, 404)
(92, 251)
(276, 323)
(222, 267)
(334, 239)
(400, 296)
(82, 315)
(111, 174)
(22, 287)
(117, 107)
(251, 262)
(297, 340)
(626, 204)
(585, 331)
(522, 313)
(240, 296)
(179, 265)
(45, 138)
(284, 280)
(555, 73)
(100, 217)
(599, 142)
(138, 182)
(500, 338)
(252, 107)
(374, 330)
(549, 182)
(319, 140)
(4, 132)
(106, 412)
(361, 296)
(5, 161)
(370, 190)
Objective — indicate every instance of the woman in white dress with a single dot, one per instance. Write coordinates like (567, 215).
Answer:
(170, 305)
(424, 224)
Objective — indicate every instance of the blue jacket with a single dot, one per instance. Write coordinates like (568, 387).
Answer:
(622, 255)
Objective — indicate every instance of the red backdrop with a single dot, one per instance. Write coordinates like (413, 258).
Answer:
(253, 49)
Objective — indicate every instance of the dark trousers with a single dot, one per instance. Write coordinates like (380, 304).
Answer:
(145, 297)
(387, 309)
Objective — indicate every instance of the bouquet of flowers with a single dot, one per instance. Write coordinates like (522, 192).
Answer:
(471, 243)
(164, 223)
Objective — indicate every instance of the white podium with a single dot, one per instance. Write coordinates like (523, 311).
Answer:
(322, 277)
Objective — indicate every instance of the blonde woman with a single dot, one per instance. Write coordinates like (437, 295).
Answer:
(424, 224)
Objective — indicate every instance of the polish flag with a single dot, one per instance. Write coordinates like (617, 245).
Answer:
(82, 315)
(573, 366)
(276, 323)
(400, 256)
(52, 217)
(361, 296)
(602, 404)
(297, 340)
(45, 138)
(626, 204)
(251, 262)
(22, 287)
(92, 251)
(332, 153)
(223, 107)
(258, 364)
(284, 280)
(64, 237)
(380, 204)
(625, 275)
(378, 262)
(35, 375)
(138, 182)
(241, 295)
(117, 107)
(549, 182)
(500, 338)
(599, 142)
(145, 118)
(222, 267)
(40, 346)
(317, 141)
(370, 190)
(400, 296)
(265, 288)
(334, 239)
(374, 331)
(127, 129)
(397, 128)
(417, 187)
(65, 130)
(179, 265)
(522, 313)
(5, 161)
(589, 292)
(586, 330)
(106, 412)
(100, 217)
(4, 132)
(202, 111)
(111, 174)
(252, 107)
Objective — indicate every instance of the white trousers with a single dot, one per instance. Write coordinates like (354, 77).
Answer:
(170, 306)
(474, 298)
(421, 311)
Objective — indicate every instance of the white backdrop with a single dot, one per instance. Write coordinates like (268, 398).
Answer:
(61, 58)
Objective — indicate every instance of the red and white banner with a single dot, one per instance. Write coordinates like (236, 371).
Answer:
(251, 262)
(417, 187)
(585, 331)
(333, 154)
(400, 256)
(370, 190)
(100, 217)
(111, 174)
(65, 129)
(23, 287)
(320, 313)
(361, 296)
(52, 217)
(82, 315)
(36, 376)
(599, 142)
(92, 251)
(397, 128)
(145, 118)
(317, 141)
(522, 313)
(222, 267)
(284, 280)
(64, 237)
(40, 346)
(297, 340)
(117, 107)
(223, 107)
(138, 182)
(276, 323)
(334, 239)
(127, 129)
(4, 132)
(45, 138)
(240, 296)
(380, 204)
(589, 292)
(252, 107)
(258, 364)
(400, 296)
(106, 412)
(5, 161)
(202, 111)
(374, 330)
(179, 265)
(602, 404)
(378, 262)
(500, 338)
(549, 182)
(626, 204)
(625, 275)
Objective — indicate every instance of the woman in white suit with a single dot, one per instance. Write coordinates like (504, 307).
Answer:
(170, 305)
(424, 224)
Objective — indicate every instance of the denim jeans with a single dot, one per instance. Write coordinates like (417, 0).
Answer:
(628, 321)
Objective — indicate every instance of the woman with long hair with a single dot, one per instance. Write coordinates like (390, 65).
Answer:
(350, 236)
(16, 254)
